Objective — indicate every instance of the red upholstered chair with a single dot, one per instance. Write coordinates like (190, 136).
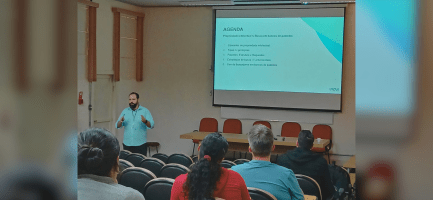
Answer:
(232, 126)
(290, 129)
(323, 132)
(206, 125)
(266, 123)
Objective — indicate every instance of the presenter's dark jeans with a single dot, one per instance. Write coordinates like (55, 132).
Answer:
(142, 149)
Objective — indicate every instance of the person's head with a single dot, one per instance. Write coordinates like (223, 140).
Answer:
(261, 140)
(98, 152)
(305, 139)
(133, 100)
(204, 174)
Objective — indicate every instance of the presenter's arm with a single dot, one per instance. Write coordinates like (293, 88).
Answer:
(120, 120)
(119, 123)
(145, 121)
(148, 119)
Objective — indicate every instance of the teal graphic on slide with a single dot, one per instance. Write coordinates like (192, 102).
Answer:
(330, 32)
(279, 54)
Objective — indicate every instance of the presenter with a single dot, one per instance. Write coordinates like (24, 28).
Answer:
(136, 119)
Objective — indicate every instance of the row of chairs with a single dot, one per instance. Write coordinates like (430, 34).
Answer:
(159, 164)
(157, 168)
(147, 183)
(136, 158)
(162, 165)
(152, 176)
(289, 129)
(160, 189)
(163, 172)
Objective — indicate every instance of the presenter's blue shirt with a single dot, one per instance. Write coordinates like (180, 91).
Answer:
(277, 180)
(135, 133)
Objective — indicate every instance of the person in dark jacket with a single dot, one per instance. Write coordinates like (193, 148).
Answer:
(303, 161)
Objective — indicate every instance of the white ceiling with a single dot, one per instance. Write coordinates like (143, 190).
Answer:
(222, 2)
(152, 2)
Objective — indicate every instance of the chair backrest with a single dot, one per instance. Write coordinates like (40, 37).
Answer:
(340, 179)
(194, 159)
(152, 164)
(123, 154)
(227, 164)
(290, 129)
(173, 170)
(259, 194)
(241, 161)
(123, 164)
(180, 158)
(158, 189)
(266, 123)
(309, 186)
(190, 167)
(322, 131)
(135, 158)
(232, 126)
(208, 125)
(162, 157)
(136, 177)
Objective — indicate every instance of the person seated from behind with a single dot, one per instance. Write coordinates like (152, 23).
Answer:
(261, 173)
(98, 166)
(207, 179)
(303, 161)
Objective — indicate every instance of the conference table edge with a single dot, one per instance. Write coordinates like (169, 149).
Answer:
(243, 138)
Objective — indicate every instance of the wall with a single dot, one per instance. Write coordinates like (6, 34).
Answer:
(177, 80)
(82, 83)
(104, 62)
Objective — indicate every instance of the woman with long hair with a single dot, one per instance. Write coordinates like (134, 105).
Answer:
(207, 179)
(98, 166)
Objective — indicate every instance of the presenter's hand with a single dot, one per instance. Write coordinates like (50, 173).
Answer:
(144, 120)
(123, 119)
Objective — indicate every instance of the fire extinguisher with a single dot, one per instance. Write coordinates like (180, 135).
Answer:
(80, 98)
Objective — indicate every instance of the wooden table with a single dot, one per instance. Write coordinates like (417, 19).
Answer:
(309, 197)
(239, 142)
(351, 166)
(351, 163)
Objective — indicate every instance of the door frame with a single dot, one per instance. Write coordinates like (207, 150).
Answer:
(112, 118)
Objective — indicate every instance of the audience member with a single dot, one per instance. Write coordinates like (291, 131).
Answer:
(207, 179)
(261, 173)
(303, 161)
(98, 165)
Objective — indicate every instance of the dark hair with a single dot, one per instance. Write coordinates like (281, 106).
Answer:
(305, 139)
(261, 140)
(201, 180)
(136, 94)
(98, 151)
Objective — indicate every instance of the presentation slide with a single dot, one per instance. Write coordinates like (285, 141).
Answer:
(279, 54)
(289, 54)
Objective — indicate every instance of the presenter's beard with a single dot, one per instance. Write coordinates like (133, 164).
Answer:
(132, 106)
